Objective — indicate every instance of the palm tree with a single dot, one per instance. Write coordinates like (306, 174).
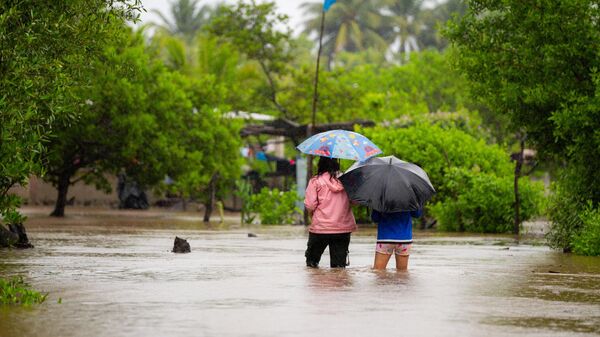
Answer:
(351, 25)
(403, 26)
(435, 18)
(188, 18)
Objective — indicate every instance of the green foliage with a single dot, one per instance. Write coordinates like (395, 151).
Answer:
(484, 202)
(161, 123)
(188, 18)
(537, 63)
(525, 71)
(394, 28)
(562, 211)
(274, 207)
(362, 214)
(350, 26)
(262, 36)
(426, 84)
(133, 99)
(587, 241)
(243, 190)
(45, 48)
(15, 291)
(473, 179)
(210, 149)
(252, 28)
(572, 215)
(8, 209)
(14, 217)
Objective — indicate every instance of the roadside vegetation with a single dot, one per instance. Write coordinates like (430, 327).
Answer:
(14, 291)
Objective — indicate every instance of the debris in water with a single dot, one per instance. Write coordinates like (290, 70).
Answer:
(181, 246)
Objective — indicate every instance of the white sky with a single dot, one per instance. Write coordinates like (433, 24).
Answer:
(289, 7)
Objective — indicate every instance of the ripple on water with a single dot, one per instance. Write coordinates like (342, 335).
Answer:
(127, 283)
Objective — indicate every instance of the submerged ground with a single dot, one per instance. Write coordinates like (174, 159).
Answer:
(116, 277)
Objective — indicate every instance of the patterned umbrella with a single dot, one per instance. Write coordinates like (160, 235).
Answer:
(340, 144)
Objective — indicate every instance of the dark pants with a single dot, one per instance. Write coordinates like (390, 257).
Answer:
(338, 249)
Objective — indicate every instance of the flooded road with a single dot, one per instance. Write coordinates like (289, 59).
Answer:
(121, 280)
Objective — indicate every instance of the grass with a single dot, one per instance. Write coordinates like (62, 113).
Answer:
(15, 291)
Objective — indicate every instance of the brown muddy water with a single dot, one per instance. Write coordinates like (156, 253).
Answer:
(116, 277)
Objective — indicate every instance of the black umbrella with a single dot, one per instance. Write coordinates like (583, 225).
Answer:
(388, 184)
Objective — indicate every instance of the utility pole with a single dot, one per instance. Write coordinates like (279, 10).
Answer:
(311, 126)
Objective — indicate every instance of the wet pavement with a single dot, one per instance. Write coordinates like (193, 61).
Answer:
(115, 276)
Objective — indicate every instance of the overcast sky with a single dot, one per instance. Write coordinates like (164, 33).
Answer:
(289, 7)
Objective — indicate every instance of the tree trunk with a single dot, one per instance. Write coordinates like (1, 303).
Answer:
(183, 203)
(64, 181)
(518, 167)
(212, 191)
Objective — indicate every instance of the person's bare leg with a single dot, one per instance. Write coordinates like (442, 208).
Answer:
(401, 262)
(381, 261)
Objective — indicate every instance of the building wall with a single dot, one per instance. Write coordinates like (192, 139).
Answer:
(39, 192)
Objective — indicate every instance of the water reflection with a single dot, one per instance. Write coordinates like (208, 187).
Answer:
(392, 277)
(329, 279)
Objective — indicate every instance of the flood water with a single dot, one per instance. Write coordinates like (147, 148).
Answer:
(117, 278)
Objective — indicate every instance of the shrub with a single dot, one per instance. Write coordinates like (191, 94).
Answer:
(16, 291)
(273, 207)
(564, 205)
(484, 202)
(574, 214)
(587, 240)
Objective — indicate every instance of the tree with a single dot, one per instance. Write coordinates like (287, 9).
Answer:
(404, 25)
(394, 28)
(161, 123)
(537, 62)
(434, 19)
(129, 122)
(207, 159)
(44, 48)
(426, 84)
(353, 26)
(255, 29)
(188, 18)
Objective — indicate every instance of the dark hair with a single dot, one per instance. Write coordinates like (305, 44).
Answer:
(331, 165)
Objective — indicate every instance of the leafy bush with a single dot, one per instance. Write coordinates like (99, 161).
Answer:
(484, 202)
(587, 240)
(16, 291)
(564, 205)
(8, 210)
(273, 207)
(473, 179)
(575, 220)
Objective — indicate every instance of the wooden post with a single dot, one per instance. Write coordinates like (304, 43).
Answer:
(311, 126)
(518, 166)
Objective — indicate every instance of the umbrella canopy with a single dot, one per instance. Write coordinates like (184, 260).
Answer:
(339, 144)
(388, 184)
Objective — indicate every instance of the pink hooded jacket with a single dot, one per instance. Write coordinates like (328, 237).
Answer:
(330, 205)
